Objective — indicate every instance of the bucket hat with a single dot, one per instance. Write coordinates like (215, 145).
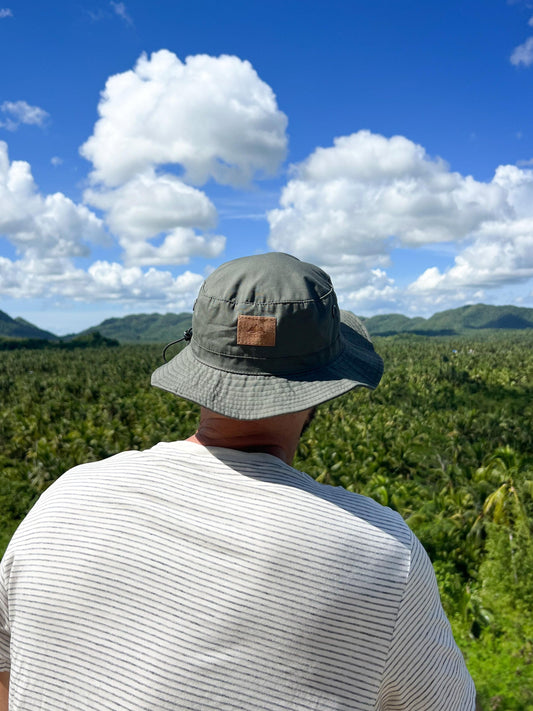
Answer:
(268, 339)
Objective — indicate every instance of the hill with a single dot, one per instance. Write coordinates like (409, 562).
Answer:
(453, 321)
(19, 328)
(162, 328)
(144, 328)
(158, 328)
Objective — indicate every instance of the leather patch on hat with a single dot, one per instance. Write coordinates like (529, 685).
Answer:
(256, 331)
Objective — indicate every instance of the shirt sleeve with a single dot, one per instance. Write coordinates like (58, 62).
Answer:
(425, 668)
(5, 635)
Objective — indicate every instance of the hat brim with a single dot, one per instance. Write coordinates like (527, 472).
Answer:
(254, 397)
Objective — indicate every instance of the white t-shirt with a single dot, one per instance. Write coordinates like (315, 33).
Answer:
(193, 578)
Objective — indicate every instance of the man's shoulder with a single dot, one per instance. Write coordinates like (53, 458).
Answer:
(263, 477)
(378, 521)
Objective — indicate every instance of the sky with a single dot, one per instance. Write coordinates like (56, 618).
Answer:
(142, 144)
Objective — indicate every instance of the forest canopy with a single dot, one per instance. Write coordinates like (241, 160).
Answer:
(446, 440)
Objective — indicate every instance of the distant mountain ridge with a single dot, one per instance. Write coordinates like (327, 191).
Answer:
(453, 321)
(144, 328)
(162, 328)
(19, 328)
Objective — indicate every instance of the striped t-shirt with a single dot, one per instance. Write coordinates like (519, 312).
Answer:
(193, 578)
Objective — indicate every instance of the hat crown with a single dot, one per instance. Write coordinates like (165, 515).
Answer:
(266, 313)
(273, 277)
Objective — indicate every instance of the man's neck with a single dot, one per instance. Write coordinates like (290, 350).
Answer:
(274, 450)
(278, 436)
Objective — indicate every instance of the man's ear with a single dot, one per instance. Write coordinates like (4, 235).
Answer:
(309, 419)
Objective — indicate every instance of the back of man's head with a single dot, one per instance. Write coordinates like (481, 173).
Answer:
(269, 339)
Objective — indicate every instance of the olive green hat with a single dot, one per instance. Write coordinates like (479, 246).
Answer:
(267, 339)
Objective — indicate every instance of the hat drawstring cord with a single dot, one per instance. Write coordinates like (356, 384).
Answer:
(187, 335)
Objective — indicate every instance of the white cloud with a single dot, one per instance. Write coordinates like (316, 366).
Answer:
(501, 254)
(367, 189)
(42, 227)
(347, 206)
(48, 231)
(56, 161)
(501, 251)
(18, 112)
(119, 8)
(31, 277)
(5, 12)
(212, 116)
(116, 282)
(176, 248)
(104, 281)
(380, 293)
(523, 54)
(147, 207)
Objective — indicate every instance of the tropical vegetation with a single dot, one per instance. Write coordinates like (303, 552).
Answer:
(446, 440)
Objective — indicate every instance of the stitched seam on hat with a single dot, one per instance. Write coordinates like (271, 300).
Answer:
(257, 303)
(286, 376)
(269, 357)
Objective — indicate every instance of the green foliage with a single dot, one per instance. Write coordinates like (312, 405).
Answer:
(502, 660)
(446, 440)
(93, 339)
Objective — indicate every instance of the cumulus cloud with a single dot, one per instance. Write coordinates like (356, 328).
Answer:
(40, 226)
(378, 293)
(211, 116)
(49, 231)
(149, 206)
(367, 189)
(56, 161)
(523, 54)
(30, 277)
(501, 251)
(104, 281)
(18, 112)
(114, 281)
(501, 254)
(347, 206)
(176, 248)
(5, 12)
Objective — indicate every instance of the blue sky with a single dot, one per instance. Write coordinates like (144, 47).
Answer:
(142, 144)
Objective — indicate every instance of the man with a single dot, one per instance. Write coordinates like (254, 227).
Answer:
(211, 575)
